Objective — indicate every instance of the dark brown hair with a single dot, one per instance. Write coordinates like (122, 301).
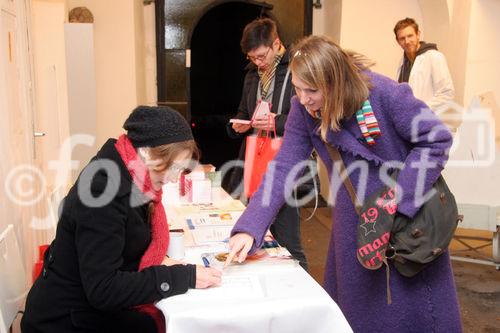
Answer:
(259, 32)
(406, 22)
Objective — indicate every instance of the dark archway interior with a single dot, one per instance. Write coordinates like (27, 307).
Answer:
(216, 78)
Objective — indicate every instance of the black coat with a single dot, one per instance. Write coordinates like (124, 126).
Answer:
(90, 272)
(249, 101)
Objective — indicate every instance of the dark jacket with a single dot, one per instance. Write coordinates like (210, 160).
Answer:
(249, 96)
(90, 269)
(247, 107)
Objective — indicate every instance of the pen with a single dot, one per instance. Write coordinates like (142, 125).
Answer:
(206, 263)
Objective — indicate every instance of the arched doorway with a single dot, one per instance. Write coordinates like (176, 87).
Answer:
(216, 77)
(200, 68)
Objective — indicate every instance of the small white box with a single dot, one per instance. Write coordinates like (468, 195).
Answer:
(201, 191)
(196, 175)
(170, 194)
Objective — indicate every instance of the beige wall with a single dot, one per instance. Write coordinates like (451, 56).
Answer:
(458, 45)
(327, 19)
(20, 184)
(82, 103)
(366, 27)
(150, 54)
(483, 65)
(463, 29)
(120, 83)
(140, 52)
(126, 66)
(122, 66)
(436, 21)
(51, 93)
(483, 56)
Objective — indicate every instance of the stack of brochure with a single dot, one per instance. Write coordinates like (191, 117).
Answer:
(209, 227)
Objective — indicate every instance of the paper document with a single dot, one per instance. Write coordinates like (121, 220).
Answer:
(211, 234)
(240, 286)
(240, 121)
(212, 219)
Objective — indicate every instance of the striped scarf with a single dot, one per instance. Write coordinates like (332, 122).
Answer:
(266, 77)
(368, 123)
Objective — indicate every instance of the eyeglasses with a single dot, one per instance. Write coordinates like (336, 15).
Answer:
(185, 168)
(259, 57)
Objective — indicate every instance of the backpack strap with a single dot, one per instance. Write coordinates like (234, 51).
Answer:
(282, 95)
(338, 163)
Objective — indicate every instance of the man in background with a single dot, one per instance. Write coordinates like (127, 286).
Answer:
(425, 69)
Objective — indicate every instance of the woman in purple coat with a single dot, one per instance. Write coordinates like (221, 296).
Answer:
(375, 123)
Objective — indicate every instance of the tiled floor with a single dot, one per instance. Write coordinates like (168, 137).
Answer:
(478, 286)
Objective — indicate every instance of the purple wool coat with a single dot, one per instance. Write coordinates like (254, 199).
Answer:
(424, 303)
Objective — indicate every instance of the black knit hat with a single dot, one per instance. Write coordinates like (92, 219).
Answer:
(151, 126)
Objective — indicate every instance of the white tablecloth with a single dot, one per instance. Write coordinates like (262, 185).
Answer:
(289, 301)
(282, 298)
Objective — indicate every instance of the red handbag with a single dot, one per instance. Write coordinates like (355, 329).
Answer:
(260, 150)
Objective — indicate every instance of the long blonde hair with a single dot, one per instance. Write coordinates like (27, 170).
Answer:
(336, 73)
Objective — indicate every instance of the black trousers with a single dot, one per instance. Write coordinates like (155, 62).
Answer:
(286, 230)
(125, 321)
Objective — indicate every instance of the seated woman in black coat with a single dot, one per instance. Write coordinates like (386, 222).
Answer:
(107, 265)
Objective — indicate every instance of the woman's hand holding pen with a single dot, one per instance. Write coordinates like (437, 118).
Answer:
(207, 277)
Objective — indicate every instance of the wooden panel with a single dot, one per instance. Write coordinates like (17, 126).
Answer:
(294, 17)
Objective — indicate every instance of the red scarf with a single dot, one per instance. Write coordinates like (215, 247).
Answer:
(157, 249)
